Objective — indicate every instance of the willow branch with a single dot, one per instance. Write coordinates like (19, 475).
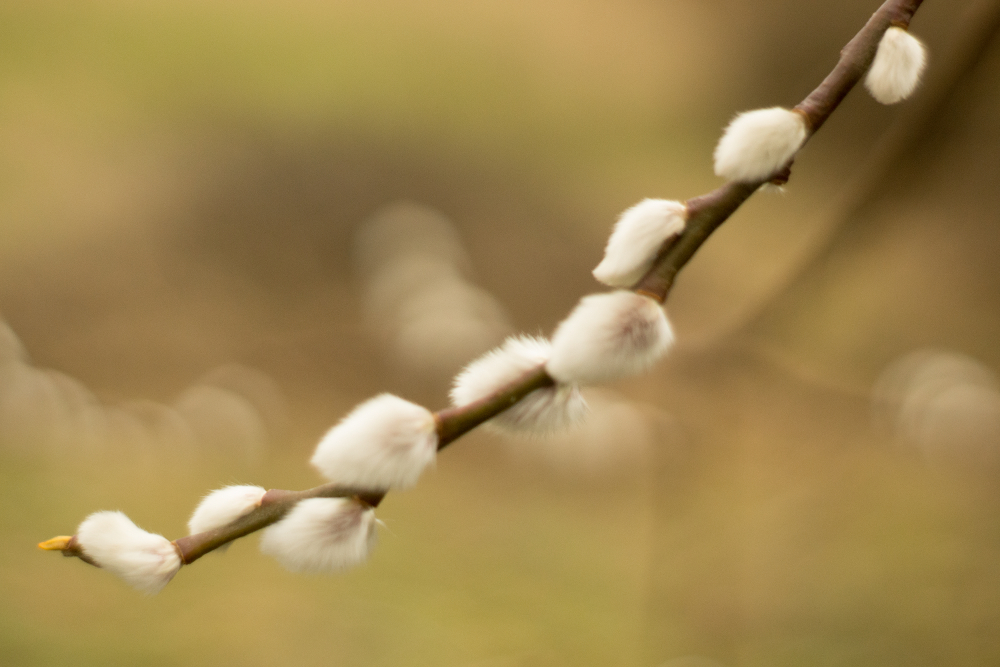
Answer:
(705, 214)
(452, 423)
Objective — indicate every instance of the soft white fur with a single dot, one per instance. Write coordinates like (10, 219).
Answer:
(543, 410)
(609, 336)
(384, 443)
(224, 506)
(897, 67)
(637, 238)
(322, 534)
(759, 143)
(144, 560)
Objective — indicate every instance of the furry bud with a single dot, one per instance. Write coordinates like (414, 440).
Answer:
(609, 336)
(384, 443)
(897, 67)
(637, 239)
(759, 143)
(145, 561)
(322, 534)
(224, 506)
(542, 411)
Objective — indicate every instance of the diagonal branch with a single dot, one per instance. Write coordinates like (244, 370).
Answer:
(705, 214)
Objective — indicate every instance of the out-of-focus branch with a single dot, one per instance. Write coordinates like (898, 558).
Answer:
(705, 214)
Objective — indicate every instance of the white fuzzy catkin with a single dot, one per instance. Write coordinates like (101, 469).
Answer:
(759, 143)
(384, 443)
(144, 560)
(897, 67)
(224, 506)
(542, 411)
(637, 238)
(322, 534)
(609, 336)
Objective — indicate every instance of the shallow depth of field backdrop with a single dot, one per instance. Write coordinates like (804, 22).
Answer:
(187, 302)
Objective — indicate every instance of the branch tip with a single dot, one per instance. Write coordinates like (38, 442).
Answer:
(60, 543)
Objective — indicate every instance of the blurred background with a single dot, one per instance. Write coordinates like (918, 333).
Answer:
(222, 225)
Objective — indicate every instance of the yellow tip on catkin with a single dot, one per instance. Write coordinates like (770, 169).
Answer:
(56, 543)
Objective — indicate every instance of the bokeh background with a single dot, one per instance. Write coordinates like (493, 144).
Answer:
(223, 224)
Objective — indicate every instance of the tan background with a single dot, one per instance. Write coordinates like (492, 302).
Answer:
(180, 183)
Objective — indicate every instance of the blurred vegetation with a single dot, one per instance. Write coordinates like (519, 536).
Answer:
(180, 183)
